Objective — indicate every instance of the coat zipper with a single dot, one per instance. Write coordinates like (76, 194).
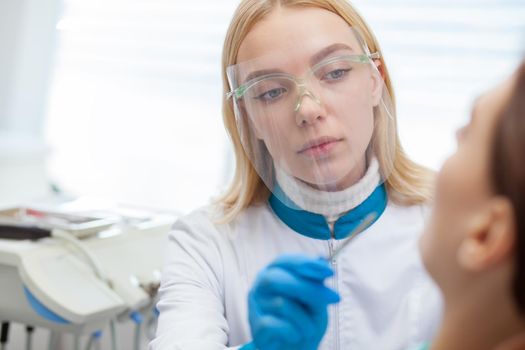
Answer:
(333, 262)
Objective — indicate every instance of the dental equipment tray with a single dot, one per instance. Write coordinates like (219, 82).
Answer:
(77, 224)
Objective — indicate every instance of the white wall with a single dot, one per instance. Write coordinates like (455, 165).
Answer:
(27, 36)
(135, 108)
(27, 47)
(442, 54)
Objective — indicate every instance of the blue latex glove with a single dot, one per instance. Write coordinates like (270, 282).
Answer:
(288, 303)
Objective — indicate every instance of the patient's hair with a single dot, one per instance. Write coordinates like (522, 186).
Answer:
(508, 172)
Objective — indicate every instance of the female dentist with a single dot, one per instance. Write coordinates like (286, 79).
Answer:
(309, 108)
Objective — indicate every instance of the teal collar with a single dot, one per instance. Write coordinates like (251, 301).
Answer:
(315, 225)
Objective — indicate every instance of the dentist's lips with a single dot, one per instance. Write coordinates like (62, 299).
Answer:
(319, 147)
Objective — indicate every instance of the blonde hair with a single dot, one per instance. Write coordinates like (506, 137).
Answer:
(408, 183)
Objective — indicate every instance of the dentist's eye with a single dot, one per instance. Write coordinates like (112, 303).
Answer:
(271, 95)
(337, 74)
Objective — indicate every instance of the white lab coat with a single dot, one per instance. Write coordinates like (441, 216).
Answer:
(388, 301)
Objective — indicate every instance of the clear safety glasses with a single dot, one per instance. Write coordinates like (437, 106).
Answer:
(278, 93)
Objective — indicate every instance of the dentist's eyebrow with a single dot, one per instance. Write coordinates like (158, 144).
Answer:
(318, 57)
(258, 73)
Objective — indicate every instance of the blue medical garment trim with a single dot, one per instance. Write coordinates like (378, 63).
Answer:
(42, 310)
(315, 225)
(248, 346)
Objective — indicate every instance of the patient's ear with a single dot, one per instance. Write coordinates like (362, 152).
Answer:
(490, 237)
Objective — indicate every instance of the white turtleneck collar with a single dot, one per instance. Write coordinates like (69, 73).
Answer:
(329, 204)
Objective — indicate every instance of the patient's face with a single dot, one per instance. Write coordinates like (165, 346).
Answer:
(462, 191)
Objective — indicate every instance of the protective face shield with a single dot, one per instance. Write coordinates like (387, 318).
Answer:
(310, 113)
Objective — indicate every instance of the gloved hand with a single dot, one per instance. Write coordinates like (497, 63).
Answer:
(288, 303)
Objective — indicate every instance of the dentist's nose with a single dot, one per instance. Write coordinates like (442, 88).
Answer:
(308, 109)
